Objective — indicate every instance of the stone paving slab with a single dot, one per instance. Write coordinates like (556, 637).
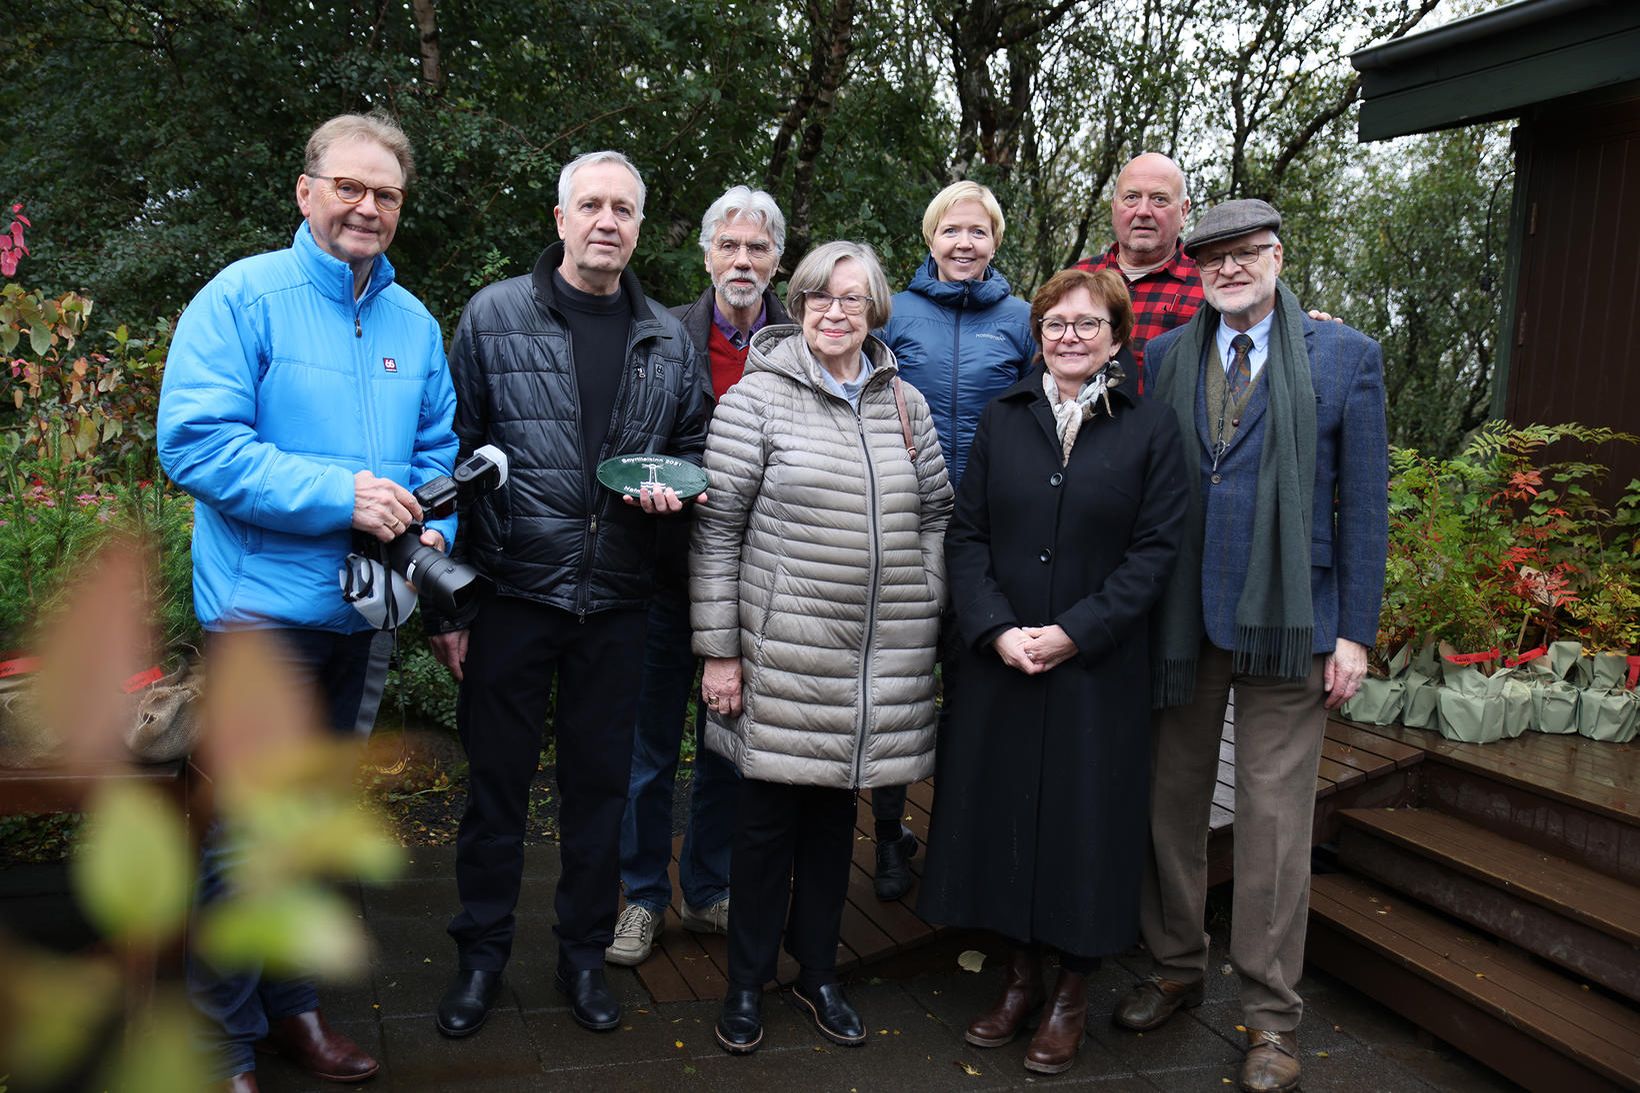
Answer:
(915, 1009)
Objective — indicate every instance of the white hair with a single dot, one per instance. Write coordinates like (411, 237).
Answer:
(566, 177)
(743, 201)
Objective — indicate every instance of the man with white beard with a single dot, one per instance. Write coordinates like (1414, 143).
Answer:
(742, 235)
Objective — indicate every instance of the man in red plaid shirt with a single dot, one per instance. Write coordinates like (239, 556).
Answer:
(1147, 211)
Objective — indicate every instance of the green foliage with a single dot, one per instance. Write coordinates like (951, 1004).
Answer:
(1502, 547)
(54, 513)
(160, 1055)
(295, 930)
(419, 690)
(133, 872)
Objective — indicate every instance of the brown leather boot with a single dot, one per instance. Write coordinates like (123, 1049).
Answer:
(1022, 995)
(309, 1042)
(1053, 1048)
(1271, 1062)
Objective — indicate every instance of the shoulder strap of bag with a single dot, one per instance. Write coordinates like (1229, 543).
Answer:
(905, 419)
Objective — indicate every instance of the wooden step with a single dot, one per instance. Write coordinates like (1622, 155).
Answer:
(1567, 913)
(1532, 1024)
(1576, 798)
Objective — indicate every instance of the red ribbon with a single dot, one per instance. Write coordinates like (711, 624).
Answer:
(1473, 658)
(1526, 657)
(1634, 672)
(144, 679)
(16, 666)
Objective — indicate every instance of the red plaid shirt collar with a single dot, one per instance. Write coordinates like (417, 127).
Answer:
(1162, 299)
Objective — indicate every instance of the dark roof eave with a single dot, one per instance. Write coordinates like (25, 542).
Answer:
(1510, 17)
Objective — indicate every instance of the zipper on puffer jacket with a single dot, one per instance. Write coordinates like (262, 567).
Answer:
(873, 591)
(364, 377)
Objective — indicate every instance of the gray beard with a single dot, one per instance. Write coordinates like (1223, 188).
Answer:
(741, 297)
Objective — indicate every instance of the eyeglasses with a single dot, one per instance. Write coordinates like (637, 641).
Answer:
(1242, 256)
(756, 249)
(350, 191)
(1087, 328)
(820, 302)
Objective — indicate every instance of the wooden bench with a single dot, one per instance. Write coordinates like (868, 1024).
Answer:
(26, 791)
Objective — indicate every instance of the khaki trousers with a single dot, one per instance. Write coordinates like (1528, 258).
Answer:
(1279, 726)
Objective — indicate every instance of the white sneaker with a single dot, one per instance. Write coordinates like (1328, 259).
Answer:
(635, 933)
(707, 920)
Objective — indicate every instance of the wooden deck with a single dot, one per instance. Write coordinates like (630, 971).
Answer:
(1358, 767)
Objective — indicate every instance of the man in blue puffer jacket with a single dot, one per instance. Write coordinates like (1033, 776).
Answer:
(305, 396)
(961, 340)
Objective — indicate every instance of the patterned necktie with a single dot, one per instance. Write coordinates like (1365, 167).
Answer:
(1241, 367)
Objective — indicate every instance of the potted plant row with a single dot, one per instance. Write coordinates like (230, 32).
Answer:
(1512, 591)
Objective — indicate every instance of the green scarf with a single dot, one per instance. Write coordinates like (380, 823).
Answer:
(1275, 621)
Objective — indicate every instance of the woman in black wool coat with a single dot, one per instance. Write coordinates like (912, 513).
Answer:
(1066, 528)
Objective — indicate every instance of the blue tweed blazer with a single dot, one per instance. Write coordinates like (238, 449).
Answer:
(1349, 530)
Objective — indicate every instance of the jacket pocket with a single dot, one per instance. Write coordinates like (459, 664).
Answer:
(1321, 553)
(250, 538)
(768, 606)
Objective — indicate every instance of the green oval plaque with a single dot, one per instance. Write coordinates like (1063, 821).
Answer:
(628, 474)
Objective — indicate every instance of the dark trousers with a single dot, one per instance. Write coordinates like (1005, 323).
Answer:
(888, 802)
(347, 672)
(665, 698)
(793, 849)
(515, 650)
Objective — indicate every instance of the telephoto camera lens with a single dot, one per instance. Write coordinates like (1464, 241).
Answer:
(450, 585)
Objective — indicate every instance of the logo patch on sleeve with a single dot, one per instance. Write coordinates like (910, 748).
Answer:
(389, 364)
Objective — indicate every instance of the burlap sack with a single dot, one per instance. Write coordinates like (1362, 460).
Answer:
(167, 722)
(25, 739)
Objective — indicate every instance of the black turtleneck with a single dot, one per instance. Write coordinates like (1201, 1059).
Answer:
(599, 327)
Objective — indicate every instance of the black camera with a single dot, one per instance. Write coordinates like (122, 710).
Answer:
(450, 585)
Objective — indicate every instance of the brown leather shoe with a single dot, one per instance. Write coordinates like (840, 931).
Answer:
(1022, 995)
(1271, 1062)
(306, 1040)
(1153, 1001)
(1053, 1048)
(243, 1082)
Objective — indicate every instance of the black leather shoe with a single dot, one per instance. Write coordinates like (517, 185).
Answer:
(467, 1002)
(833, 1016)
(740, 1025)
(893, 878)
(590, 1001)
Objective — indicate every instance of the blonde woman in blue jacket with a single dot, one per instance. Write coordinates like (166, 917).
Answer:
(961, 339)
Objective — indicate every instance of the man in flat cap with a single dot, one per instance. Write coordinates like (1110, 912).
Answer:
(1276, 594)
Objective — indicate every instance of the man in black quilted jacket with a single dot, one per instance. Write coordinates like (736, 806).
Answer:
(562, 368)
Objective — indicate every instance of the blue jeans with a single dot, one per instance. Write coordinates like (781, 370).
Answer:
(238, 1004)
(646, 827)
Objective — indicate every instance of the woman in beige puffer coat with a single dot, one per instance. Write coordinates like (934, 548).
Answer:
(816, 579)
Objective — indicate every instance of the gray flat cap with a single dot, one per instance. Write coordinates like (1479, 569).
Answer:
(1231, 219)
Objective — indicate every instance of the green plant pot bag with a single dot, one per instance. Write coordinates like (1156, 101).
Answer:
(1422, 685)
(1467, 707)
(1554, 695)
(1381, 699)
(1607, 710)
